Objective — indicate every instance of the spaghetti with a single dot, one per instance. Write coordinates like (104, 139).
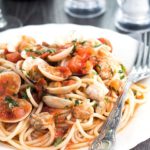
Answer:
(55, 96)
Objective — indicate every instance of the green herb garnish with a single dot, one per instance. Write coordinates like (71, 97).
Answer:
(33, 57)
(95, 104)
(28, 50)
(1, 71)
(97, 45)
(135, 93)
(73, 50)
(120, 71)
(50, 50)
(122, 77)
(24, 95)
(98, 66)
(40, 52)
(83, 42)
(106, 99)
(11, 102)
(123, 68)
(57, 141)
(74, 41)
(77, 102)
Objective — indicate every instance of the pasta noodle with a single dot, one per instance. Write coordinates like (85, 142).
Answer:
(57, 96)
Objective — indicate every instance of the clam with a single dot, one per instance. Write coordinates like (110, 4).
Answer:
(19, 71)
(54, 73)
(9, 83)
(41, 120)
(13, 109)
(57, 102)
(65, 89)
(61, 55)
(30, 69)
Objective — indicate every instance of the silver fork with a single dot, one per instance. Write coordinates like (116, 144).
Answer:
(139, 71)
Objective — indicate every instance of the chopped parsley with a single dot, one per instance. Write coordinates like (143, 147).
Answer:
(11, 102)
(123, 68)
(74, 41)
(83, 42)
(77, 102)
(40, 52)
(73, 50)
(106, 99)
(120, 71)
(135, 93)
(122, 77)
(33, 57)
(95, 104)
(98, 67)
(1, 71)
(57, 141)
(97, 45)
(24, 95)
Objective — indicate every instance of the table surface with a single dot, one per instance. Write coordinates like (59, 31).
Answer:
(32, 12)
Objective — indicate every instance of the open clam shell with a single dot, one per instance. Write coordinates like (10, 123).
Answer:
(52, 73)
(9, 83)
(65, 89)
(60, 56)
(15, 109)
(30, 68)
(57, 102)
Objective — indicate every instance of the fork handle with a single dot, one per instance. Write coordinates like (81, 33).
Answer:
(106, 139)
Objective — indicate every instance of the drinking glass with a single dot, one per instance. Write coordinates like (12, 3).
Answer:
(7, 22)
(84, 8)
(133, 15)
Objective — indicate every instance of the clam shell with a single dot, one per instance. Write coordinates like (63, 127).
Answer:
(60, 56)
(31, 62)
(57, 102)
(18, 69)
(27, 108)
(13, 81)
(65, 89)
(48, 71)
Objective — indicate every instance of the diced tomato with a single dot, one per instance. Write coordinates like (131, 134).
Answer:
(39, 87)
(106, 42)
(32, 54)
(13, 57)
(78, 65)
(75, 64)
(18, 112)
(6, 51)
(65, 71)
(85, 52)
(44, 55)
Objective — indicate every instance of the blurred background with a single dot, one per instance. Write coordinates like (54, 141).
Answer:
(32, 12)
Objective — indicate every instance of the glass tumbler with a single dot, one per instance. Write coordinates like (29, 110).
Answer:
(133, 15)
(84, 8)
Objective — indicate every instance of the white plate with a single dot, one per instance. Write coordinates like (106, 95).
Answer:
(124, 49)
